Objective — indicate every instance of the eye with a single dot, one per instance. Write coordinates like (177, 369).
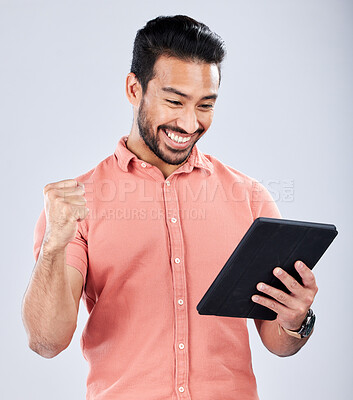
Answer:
(207, 106)
(174, 102)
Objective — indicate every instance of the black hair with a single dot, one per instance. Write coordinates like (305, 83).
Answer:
(174, 36)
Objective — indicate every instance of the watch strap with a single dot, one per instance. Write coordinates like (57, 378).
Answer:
(295, 334)
(306, 327)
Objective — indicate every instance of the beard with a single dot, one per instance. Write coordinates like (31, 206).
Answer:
(153, 142)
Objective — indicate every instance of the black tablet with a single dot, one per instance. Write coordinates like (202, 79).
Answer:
(268, 243)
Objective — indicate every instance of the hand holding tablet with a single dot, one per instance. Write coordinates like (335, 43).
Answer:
(292, 307)
(268, 243)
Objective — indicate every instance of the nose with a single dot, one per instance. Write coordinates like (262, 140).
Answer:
(188, 121)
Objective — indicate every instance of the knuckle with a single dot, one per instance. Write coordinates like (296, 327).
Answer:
(293, 284)
(309, 300)
(58, 199)
(79, 199)
(68, 182)
(51, 195)
(281, 297)
(47, 187)
(301, 311)
(78, 190)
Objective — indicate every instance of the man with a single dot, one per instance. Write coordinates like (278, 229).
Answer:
(143, 235)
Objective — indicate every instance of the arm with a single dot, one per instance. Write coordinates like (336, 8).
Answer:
(51, 302)
(291, 310)
(276, 340)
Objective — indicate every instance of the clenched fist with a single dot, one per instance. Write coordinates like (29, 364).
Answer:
(64, 205)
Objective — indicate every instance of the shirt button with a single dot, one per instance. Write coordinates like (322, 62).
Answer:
(181, 389)
(180, 302)
(177, 260)
(181, 346)
(174, 220)
(143, 165)
(167, 183)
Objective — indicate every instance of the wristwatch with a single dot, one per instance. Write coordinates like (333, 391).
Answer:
(306, 328)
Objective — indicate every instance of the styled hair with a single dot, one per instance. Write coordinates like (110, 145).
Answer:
(174, 36)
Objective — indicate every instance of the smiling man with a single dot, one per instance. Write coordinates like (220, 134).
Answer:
(142, 235)
(177, 109)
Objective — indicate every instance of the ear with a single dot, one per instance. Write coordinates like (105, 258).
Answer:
(133, 89)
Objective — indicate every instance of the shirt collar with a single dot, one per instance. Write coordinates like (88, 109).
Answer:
(196, 159)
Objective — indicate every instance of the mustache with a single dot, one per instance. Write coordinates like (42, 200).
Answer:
(179, 130)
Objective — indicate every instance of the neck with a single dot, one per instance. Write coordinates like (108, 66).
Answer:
(136, 145)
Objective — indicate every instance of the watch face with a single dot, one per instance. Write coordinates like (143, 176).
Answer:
(308, 326)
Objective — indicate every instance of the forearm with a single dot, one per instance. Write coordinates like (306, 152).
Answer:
(49, 311)
(277, 340)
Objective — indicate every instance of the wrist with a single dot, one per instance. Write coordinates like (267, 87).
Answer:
(52, 248)
(306, 327)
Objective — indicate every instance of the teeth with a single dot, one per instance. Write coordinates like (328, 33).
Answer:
(178, 139)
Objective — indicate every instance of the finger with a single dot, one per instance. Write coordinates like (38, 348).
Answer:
(287, 317)
(74, 200)
(277, 294)
(81, 213)
(269, 303)
(306, 274)
(61, 184)
(65, 192)
(68, 190)
(77, 191)
(290, 283)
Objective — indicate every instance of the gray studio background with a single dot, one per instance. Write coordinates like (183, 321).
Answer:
(284, 116)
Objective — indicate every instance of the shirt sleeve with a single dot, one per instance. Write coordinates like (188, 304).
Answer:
(76, 250)
(262, 203)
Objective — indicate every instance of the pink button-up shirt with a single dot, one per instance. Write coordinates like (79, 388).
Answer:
(148, 252)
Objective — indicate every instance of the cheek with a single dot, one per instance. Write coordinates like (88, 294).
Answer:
(164, 115)
(206, 119)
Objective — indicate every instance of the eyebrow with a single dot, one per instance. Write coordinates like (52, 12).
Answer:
(169, 89)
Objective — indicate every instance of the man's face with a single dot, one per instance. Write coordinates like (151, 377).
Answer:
(177, 108)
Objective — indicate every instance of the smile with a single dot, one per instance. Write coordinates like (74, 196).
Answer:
(176, 138)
